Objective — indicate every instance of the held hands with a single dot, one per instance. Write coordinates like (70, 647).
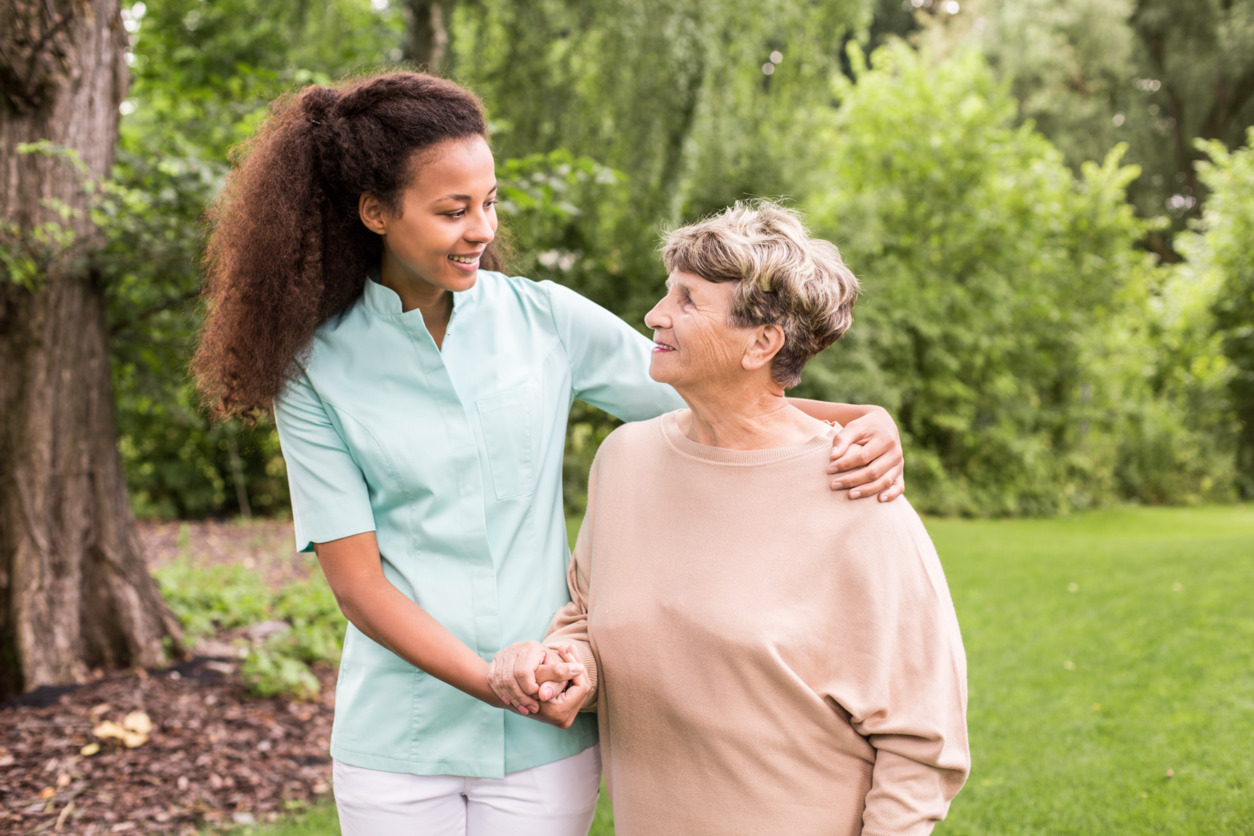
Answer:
(867, 458)
(549, 684)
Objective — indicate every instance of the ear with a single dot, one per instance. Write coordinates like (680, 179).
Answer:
(372, 214)
(767, 341)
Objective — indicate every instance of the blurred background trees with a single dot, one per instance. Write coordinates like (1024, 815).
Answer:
(1059, 290)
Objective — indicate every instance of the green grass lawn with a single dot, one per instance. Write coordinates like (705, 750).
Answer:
(1111, 669)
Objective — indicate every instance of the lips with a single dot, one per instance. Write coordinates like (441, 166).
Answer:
(658, 345)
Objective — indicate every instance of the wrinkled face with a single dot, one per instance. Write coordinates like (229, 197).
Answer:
(695, 344)
(447, 218)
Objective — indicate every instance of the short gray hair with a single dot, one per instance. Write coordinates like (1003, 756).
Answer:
(784, 277)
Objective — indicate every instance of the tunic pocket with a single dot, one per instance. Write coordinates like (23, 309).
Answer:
(506, 421)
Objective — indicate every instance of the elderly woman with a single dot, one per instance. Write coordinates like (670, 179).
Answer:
(764, 657)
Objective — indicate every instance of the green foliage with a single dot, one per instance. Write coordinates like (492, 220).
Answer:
(992, 279)
(673, 95)
(1090, 73)
(209, 599)
(214, 599)
(1221, 252)
(1034, 357)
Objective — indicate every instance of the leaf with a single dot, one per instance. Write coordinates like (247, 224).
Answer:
(138, 721)
(133, 732)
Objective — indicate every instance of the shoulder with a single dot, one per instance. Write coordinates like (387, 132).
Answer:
(630, 441)
(891, 536)
(498, 297)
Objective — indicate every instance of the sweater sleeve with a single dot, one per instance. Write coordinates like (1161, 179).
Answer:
(570, 624)
(902, 678)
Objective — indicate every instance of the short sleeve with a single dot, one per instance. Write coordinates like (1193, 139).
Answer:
(330, 498)
(609, 359)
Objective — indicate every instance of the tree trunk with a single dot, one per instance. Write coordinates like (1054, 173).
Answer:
(426, 26)
(75, 593)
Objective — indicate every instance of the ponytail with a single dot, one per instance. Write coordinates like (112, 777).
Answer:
(287, 250)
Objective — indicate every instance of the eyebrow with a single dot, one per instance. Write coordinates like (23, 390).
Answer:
(465, 196)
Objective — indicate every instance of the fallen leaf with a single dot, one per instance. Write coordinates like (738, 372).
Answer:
(138, 721)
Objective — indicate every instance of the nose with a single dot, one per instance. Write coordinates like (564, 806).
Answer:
(483, 229)
(656, 318)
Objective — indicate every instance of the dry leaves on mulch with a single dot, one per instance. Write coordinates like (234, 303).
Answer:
(212, 756)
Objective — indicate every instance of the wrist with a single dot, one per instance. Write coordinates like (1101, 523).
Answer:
(479, 683)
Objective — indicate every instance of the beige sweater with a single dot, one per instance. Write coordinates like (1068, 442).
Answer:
(771, 657)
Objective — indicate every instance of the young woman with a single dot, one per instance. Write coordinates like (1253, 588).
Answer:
(421, 401)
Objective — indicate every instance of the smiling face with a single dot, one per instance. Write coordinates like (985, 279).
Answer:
(695, 344)
(446, 219)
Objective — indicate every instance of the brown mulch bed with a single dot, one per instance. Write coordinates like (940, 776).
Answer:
(213, 756)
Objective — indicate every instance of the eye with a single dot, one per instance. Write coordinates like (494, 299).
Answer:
(489, 203)
(456, 213)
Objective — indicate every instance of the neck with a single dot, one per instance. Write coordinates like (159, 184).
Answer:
(746, 419)
(436, 303)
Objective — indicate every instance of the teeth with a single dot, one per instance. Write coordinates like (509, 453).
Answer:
(464, 259)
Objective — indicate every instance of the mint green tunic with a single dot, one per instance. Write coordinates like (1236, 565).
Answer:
(453, 458)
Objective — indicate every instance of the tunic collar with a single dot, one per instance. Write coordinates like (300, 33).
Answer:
(381, 300)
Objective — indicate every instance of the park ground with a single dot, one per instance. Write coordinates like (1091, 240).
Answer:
(1111, 668)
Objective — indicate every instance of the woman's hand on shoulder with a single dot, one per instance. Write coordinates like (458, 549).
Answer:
(867, 459)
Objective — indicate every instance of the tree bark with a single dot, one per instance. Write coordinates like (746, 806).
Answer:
(426, 40)
(75, 593)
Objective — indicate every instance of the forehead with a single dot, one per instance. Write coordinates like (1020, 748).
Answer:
(682, 278)
(456, 166)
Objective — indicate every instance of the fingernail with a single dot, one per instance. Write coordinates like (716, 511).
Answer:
(854, 494)
(838, 484)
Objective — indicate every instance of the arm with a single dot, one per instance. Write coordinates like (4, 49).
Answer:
(609, 363)
(570, 625)
(901, 673)
(528, 676)
(608, 359)
(866, 454)
(368, 599)
(333, 517)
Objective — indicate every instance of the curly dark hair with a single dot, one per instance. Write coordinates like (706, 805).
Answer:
(287, 250)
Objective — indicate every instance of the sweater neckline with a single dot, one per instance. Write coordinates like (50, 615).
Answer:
(721, 455)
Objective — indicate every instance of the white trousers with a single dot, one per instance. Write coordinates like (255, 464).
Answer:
(556, 799)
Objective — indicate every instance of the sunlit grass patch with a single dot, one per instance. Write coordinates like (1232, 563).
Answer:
(1111, 666)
